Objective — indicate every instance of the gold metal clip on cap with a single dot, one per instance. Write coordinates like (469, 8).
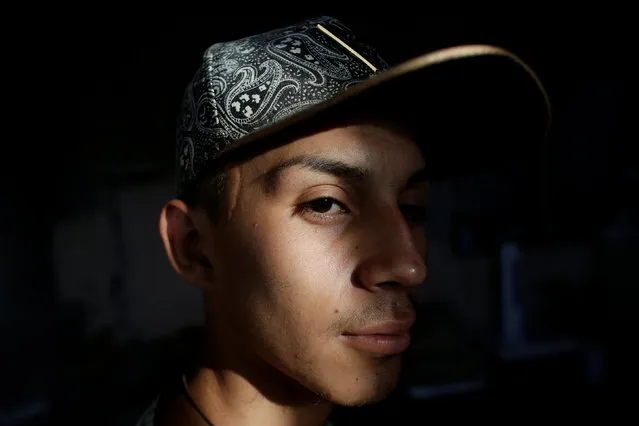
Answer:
(346, 46)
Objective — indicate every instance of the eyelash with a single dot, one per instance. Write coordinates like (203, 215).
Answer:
(414, 214)
(309, 207)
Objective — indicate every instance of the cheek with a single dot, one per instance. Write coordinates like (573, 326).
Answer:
(308, 273)
(286, 291)
(306, 267)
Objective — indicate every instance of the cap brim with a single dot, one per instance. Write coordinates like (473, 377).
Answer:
(472, 108)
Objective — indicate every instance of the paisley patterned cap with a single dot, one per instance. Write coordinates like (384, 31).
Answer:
(245, 85)
(248, 89)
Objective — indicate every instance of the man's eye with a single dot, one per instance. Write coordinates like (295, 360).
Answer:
(415, 214)
(324, 205)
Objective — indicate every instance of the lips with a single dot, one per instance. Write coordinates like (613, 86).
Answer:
(389, 337)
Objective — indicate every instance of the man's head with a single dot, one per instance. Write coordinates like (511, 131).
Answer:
(312, 243)
(302, 194)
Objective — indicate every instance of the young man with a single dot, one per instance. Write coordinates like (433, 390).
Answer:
(301, 209)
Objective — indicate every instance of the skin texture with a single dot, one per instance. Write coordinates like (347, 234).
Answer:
(298, 257)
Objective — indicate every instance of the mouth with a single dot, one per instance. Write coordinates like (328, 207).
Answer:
(390, 337)
(381, 344)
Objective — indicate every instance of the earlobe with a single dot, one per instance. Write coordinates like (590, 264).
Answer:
(181, 240)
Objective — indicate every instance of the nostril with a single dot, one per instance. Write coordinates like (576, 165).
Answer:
(389, 284)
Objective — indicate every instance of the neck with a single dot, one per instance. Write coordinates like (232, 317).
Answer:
(237, 390)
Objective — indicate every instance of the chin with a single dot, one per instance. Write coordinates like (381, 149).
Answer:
(363, 396)
(364, 399)
(361, 387)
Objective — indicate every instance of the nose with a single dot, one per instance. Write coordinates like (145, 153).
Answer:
(394, 254)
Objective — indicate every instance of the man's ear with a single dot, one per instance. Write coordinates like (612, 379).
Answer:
(183, 242)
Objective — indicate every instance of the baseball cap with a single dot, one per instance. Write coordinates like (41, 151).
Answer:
(470, 107)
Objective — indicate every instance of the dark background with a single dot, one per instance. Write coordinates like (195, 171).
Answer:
(91, 107)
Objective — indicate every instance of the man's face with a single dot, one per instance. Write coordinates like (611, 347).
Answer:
(321, 239)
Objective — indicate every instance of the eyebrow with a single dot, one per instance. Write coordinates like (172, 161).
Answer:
(325, 165)
(336, 168)
(420, 176)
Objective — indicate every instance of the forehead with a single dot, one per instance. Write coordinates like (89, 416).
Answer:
(379, 147)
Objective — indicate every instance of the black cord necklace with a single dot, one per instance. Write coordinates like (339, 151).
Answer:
(189, 398)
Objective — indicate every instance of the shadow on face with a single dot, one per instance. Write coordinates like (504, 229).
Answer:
(312, 263)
